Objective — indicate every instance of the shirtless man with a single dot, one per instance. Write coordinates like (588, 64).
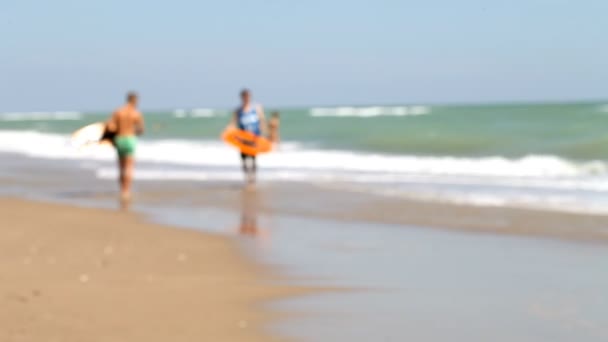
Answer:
(127, 123)
(249, 117)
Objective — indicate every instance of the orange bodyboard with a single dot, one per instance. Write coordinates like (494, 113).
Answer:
(247, 142)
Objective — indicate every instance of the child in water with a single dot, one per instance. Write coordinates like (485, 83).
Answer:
(273, 128)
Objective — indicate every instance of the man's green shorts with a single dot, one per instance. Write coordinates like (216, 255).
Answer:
(125, 145)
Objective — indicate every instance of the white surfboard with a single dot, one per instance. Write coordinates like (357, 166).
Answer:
(90, 136)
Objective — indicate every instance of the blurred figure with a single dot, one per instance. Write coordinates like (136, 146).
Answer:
(273, 127)
(126, 123)
(250, 206)
(249, 117)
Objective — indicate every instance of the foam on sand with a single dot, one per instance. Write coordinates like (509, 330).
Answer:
(535, 180)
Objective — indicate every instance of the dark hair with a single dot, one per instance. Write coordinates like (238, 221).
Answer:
(275, 114)
(132, 96)
(245, 91)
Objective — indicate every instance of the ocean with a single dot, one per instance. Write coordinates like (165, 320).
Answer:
(542, 156)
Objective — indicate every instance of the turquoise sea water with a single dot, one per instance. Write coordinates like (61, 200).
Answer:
(548, 155)
(575, 131)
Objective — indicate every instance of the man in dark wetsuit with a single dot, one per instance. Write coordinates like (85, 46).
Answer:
(249, 117)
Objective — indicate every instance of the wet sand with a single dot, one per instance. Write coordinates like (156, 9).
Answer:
(20, 174)
(74, 274)
(342, 205)
(414, 270)
(414, 283)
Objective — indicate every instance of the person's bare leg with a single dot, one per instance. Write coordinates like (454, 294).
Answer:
(127, 177)
(250, 171)
(246, 162)
(245, 169)
(245, 166)
(121, 172)
(254, 170)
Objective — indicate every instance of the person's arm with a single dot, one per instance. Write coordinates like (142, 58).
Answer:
(263, 124)
(139, 124)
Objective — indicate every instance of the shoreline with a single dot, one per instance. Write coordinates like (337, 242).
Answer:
(287, 198)
(88, 191)
(92, 274)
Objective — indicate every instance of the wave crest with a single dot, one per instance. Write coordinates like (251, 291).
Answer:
(294, 157)
(40, 116)
(198, 113)
(369, 112)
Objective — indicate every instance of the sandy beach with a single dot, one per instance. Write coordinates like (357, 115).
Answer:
(73, 274)
(499, 274)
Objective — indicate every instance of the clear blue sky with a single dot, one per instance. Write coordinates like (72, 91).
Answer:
(80, 54)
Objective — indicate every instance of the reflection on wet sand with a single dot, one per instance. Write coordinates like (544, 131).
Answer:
(124, 204)
(249, 215)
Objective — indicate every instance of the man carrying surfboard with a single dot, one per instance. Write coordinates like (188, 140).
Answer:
(126, 123)
(249, 117)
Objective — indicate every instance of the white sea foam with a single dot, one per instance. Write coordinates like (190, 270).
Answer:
(198, 113)
(203, 113)
(40, 116)
(398, 184)
(295, 157)
(560, 200)
(547, 181)
(369, 112)
(180, 113)
(566, 196)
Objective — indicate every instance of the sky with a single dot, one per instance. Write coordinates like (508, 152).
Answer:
(84, 55)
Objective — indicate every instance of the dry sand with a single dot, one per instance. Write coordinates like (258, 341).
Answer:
(74, 274)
